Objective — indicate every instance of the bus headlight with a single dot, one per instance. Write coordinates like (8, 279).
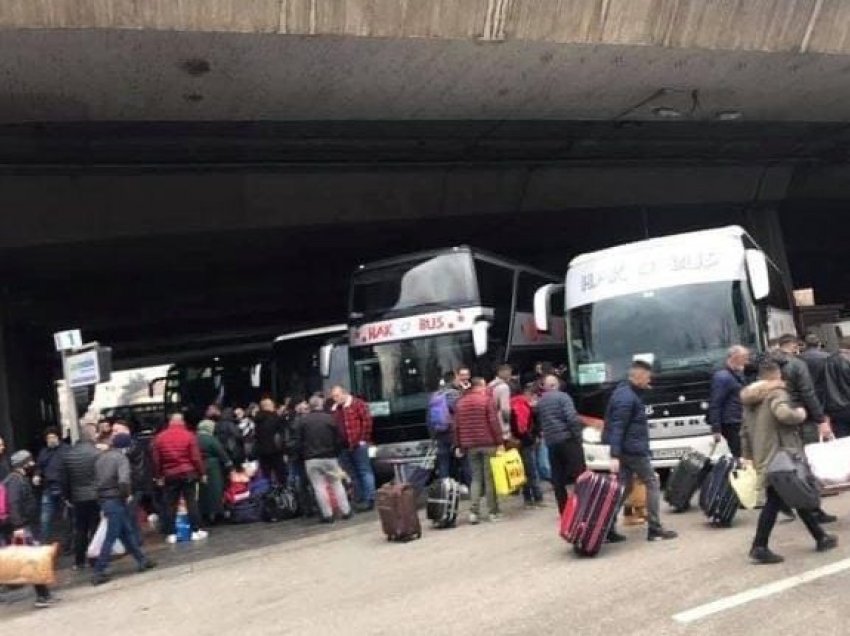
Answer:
(591, 435)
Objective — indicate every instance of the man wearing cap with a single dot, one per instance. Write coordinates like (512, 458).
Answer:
(23, 511)
(112, 469)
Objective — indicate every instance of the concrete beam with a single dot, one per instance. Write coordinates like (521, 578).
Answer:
(755, 25)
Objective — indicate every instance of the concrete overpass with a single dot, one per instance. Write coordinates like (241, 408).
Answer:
(169, 168)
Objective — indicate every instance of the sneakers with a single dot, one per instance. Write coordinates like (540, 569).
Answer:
(43, 602)
(147, 565)
(100, 578)
(473, 519)
(171, 538)
(199, 535)
(463, 490)
(660, 534)
(827, 542)
(764, 556)
(615, 537)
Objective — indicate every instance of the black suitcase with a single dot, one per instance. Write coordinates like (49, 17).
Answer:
(717, 498)
(686, 479)
(443, 502)
(280, 504)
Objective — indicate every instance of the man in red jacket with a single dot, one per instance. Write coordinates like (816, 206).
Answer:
(355, 423)
(478, 434)
(178, 467)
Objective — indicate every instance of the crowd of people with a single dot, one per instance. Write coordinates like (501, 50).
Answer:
(319, 450)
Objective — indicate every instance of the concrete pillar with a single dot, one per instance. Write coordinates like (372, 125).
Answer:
(766, 229)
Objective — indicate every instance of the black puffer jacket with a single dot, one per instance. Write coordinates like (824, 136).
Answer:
(268, 427)
(837, 377)
(79, 480)
(23, 506)
(141, 462)
(799, 383)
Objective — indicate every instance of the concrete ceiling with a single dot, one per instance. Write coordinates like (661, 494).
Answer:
(122, 75)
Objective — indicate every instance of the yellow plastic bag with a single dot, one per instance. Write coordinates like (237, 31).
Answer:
(745, 484)
(508, 472)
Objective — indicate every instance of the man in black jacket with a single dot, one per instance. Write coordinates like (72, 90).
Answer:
(270, 438)
(80, 488)
(319, 441)
(837, 389)
(815, 358)
(23, 513)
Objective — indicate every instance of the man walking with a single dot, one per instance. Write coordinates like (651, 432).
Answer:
(562, 430)
(627, 433)
(112, 471)
(815, 358)
(478, 435)
(724, 406)
(771, 422)
(80, 487)
(837, 389)
(318, 440)
(355, 423)
(500, 391)
(178, 467)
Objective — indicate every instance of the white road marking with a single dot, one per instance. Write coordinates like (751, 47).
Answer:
(756, 593)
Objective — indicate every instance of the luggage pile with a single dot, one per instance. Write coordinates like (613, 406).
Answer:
(718, 499)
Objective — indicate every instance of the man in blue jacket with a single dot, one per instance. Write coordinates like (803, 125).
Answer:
(627, 433)
(725, 412)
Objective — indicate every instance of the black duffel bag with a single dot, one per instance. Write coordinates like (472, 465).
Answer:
(789, 475)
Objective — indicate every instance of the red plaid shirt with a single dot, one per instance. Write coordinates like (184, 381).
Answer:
(355, 422)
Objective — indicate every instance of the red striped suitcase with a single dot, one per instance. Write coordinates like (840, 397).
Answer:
(590, 511)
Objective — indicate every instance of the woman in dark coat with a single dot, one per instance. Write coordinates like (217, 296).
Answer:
(218, 464)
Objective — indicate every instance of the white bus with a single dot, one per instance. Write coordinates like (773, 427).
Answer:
(678, 302)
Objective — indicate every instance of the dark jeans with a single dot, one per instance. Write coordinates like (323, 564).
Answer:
(86, 518)
(136, 504)
(274, 468)
(51, 506)
(357, 463)
(175, 488)
(732, 434)
(641, 465)
(531, 492)
(445, 446)
(117, 527)
(767, 519)
(567, 461)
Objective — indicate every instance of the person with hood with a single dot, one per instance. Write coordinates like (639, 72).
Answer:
(218, 464)
(772, 422)
(23, 514)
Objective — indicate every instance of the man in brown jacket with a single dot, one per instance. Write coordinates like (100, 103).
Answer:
(478, 434)
(770, 423)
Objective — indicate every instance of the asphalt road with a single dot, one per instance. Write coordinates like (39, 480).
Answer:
(511, 577)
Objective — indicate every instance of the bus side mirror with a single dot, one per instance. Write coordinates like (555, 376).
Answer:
(479, 337)
(543, 305)
(325, 353)
(152, 386)
(758, 274)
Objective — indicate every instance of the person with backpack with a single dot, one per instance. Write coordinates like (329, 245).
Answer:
(525, 428)
(21, 513)
(439, 421)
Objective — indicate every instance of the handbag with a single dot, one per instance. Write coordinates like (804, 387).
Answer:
(28, 564)
(745, 484)
(830, 462)
(508, 472)
(789, 475)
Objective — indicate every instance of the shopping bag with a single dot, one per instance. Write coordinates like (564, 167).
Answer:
(745, 484)
(508, 472)
(99, 537)
(28, 564)
(830, 462)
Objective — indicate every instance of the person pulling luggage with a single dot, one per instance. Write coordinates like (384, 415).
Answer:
(770, 423)
(627, 433)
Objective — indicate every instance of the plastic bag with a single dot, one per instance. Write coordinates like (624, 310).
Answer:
(830, 462)
(508, 472)
(99, 537)
(745, 484)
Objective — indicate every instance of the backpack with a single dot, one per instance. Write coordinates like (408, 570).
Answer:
(280, 504)
(439, 417)
(4, 504)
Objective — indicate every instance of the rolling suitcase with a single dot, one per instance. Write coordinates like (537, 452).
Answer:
(396, 505)
(686, 479)
(717, 498)
(443, 502)
(590, 512)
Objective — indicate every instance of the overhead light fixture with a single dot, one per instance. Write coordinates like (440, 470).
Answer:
(666, 112)
(729, 115)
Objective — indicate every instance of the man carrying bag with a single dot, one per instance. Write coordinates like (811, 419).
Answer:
(771, 441)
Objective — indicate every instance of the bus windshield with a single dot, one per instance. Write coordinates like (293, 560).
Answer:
(443, 280)
(398, 377)
(675, 329)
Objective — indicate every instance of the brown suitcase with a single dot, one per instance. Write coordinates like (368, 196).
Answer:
(396, 505)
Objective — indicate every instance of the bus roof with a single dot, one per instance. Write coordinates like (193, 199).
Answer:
(307, 333)
(730, 231)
